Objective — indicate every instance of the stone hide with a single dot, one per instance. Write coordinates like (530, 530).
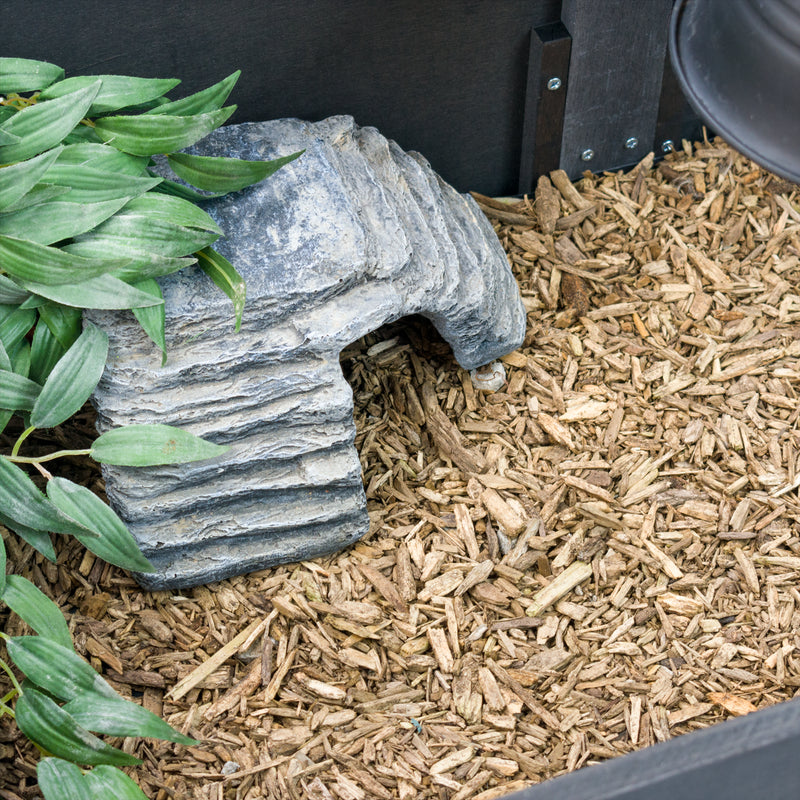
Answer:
(354, 234)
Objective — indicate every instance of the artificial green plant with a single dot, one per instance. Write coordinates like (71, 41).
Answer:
(86, 223)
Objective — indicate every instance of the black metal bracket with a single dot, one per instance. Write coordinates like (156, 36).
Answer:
(545, 100)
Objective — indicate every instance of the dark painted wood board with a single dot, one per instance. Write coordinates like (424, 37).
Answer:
(748, 758)
(618, 51)
(446, 78)
(545, 99)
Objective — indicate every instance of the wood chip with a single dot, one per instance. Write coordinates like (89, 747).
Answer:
(452, 761)
(636, 580)
(564, 185)
(734, 704)
(447, 437)
(575, 574)
(211, 664)
(505, 516)
(441, 649)
(547, 206)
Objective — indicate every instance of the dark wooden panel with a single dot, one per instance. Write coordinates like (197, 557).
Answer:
(446, 78)
(618, 51)
(748, 758)
(545, 99)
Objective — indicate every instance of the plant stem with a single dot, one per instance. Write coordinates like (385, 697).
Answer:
(49, 457)
(7, 670)
(18, 101)
(4, 707)
(43, 472)
(9, 696)
(23, 436)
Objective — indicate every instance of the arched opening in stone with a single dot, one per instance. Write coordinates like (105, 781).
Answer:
(387, 370)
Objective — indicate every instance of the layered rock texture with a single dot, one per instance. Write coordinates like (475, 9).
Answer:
(354, 234)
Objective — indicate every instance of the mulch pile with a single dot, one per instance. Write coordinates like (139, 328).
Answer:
(602, 555)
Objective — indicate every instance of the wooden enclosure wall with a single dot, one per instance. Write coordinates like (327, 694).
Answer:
(492, 92)
(451, 78)
(748, 758)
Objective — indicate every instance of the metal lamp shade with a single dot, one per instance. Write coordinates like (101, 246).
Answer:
(739, 65)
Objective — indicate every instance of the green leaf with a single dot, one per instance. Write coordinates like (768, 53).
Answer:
(44, 723)
(153, 319)
(27, 75)
(38, 540)
(219, 174)
(10, 293)
(37, 610)
(14, 325)
(5, 364)
(81, 134)
(152, 225)
(16, 392)
(46, 350)
(103, 157)
(144, 266)
(57, 668)
(116, 91)
(114, 542)
(31, 301)
(174, 189)
(93, 184)
(202, 102)
(118, 717)
(5, 359)
(2, 565)
(148, 265)
(107, 782)
(151, 445)
(40, 193)
(51, 222)
(64, 323)
(177, 211)
(21, 358)
(105, 292)
(225, 276)
(61, 780)
(51, 266)
(72, 380)
(23, 503)
(7, 138)
(44, 125)
(18, 179)
(147, 135)
(150, 104)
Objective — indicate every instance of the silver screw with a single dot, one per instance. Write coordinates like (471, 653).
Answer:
(667, 146)
(632, 143)
(554, 84)
(587, 154)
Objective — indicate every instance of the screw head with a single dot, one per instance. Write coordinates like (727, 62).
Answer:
(631, 143)
(587, 154)
(667, 146)
(554, 84)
